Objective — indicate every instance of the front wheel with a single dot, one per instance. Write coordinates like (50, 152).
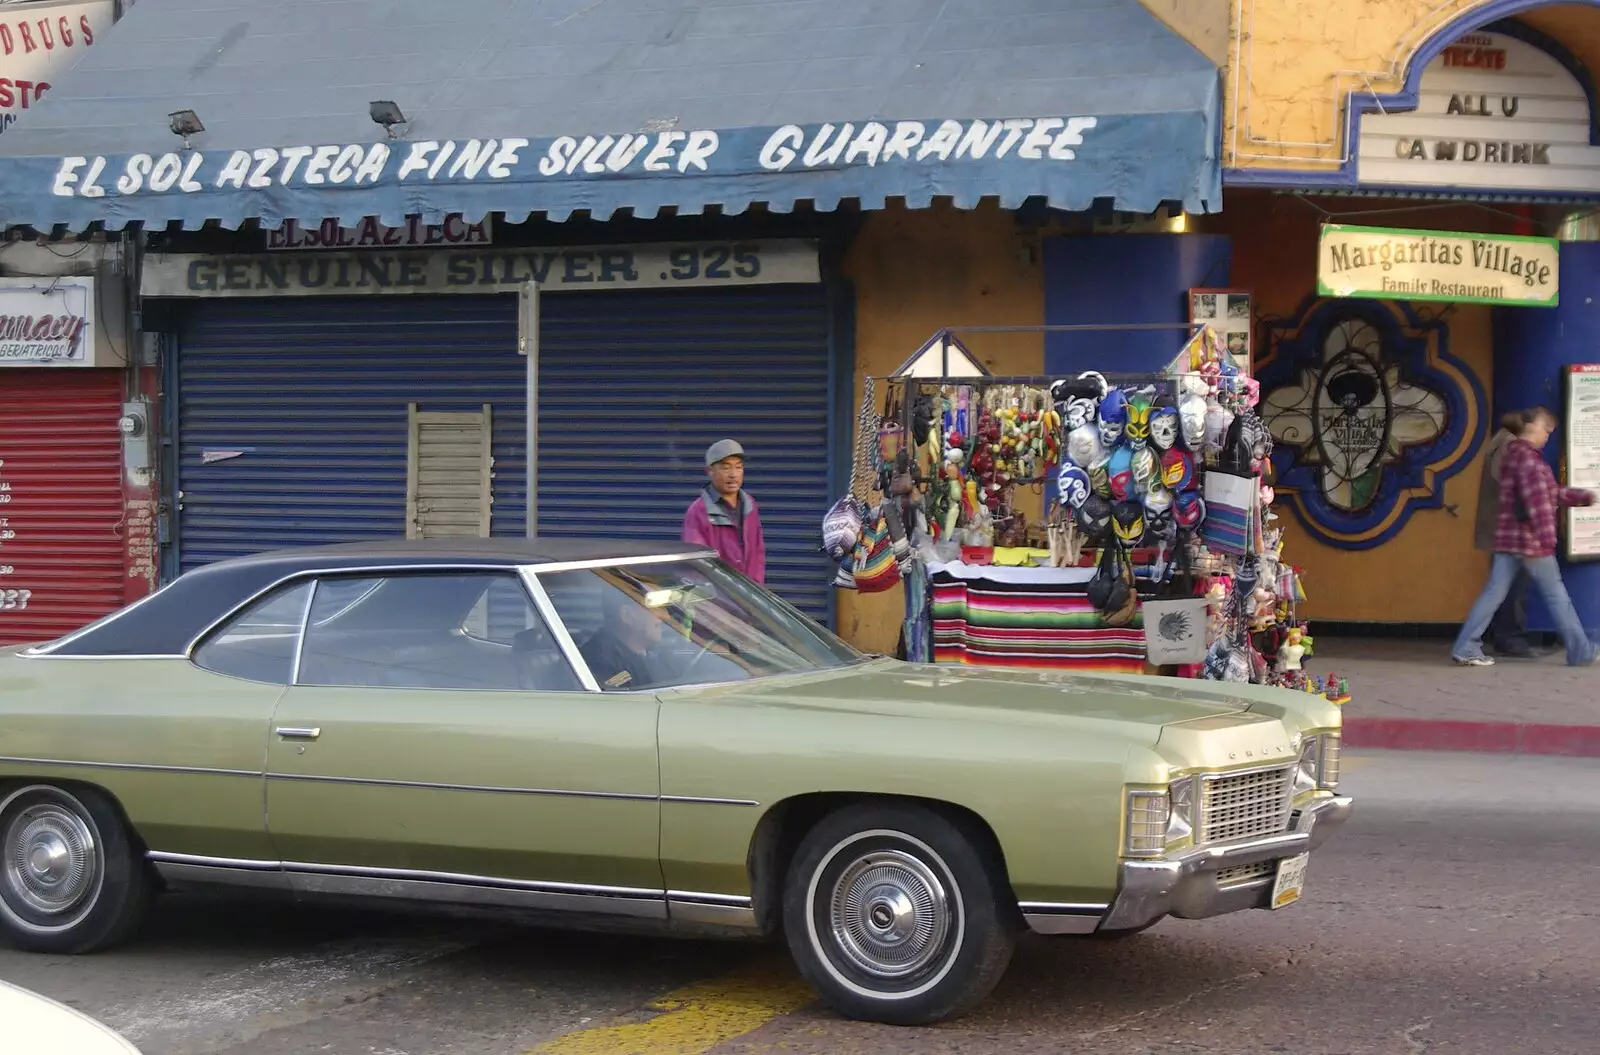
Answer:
(70, 881)
(894, 915)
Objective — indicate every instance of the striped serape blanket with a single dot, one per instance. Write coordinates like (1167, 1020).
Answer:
(1029, 626)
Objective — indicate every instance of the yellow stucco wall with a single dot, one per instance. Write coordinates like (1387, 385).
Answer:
(915, 272)
(1292, 64)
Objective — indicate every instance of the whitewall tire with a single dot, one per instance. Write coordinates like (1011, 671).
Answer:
(70, 881)
(895, 914)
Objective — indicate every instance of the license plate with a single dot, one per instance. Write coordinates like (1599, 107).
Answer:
(1291, 880)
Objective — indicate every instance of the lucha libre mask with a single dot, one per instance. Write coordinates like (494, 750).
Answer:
(1127, 523)
(1158, 516)
(1076, 399)
(1080, 412)
(1113, 417)
(1121, 472)
(1144, 469)
(1192, 421)
(1177, 470)
(1189, 510)
(1084, 447)
(1164, 428)
(1073, 484)
(1094, 518)
(1138, 426)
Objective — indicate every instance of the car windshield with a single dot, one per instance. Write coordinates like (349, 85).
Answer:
(688, 622)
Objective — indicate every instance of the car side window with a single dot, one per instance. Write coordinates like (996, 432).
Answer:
(431, 630)
(258, 644)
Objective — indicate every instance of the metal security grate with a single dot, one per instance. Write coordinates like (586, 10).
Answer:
(1245, 805)
(1243, 874)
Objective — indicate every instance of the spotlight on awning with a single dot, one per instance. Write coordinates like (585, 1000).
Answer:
(185, 123)
(386, 113)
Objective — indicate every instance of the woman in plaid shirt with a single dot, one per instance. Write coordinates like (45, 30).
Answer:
(1525, 537)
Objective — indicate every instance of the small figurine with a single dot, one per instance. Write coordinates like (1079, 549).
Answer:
(1292, 652)
(1336, 690)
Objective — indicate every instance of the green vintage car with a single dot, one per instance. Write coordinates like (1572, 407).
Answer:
(618, 730)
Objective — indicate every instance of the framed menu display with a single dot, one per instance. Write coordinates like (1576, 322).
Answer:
(1581, 422)
(1227, 311)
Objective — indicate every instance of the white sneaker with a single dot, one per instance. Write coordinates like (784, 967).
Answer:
(1475, 661)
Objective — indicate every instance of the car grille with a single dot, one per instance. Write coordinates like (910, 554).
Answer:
(1245, 805)
(1242, 874)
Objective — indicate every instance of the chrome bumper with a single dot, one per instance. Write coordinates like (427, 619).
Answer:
(1186, 886)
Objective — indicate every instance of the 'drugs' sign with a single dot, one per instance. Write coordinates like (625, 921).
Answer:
(39, 42)
(1385, 263)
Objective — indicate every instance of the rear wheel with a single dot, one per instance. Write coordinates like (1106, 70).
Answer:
(70, 880)
(894, 915)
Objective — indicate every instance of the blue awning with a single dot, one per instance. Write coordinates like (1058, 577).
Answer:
(524, 107)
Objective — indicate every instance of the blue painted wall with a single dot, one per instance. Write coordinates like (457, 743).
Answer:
(1531, 346)
(1125, 279)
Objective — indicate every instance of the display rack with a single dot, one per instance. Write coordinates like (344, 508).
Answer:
(1203, 580)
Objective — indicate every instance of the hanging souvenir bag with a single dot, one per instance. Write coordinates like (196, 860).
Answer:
(1230, 504)
(1175, 631)
(1108, 590)
(876, 568)
(841, 528)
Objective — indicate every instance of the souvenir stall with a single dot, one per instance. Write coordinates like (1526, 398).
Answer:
(1103, 522)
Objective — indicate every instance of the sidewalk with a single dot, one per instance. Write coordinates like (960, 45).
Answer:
(1407, 695)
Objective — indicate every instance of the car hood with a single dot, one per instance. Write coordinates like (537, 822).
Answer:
(892, 688)
(36, 1023)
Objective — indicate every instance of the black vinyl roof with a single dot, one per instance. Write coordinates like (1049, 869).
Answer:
(167, 622)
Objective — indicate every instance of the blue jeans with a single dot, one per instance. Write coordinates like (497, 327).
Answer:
(1546, 574)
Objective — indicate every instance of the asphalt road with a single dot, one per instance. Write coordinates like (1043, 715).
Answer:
(1455, 914)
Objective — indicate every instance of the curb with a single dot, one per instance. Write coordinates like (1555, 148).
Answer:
(1505, 738)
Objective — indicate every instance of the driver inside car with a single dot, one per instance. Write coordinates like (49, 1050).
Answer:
(629, 650)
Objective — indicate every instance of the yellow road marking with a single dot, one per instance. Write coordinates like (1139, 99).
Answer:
(697, 1018)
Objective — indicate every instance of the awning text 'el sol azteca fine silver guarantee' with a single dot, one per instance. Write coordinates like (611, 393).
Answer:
(667, 153)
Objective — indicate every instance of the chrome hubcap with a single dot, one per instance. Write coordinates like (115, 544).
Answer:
(890, 915)
(51, 863)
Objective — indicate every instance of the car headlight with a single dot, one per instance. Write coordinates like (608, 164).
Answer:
(1159, 819)
(1148, 812)
(1319, 764)
(1180, 819)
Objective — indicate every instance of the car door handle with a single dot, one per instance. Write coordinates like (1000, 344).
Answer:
(290, 733)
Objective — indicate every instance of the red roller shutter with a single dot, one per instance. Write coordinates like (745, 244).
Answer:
(61, 551)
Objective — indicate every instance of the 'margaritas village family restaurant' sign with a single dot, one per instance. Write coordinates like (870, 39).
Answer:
(1385, 263)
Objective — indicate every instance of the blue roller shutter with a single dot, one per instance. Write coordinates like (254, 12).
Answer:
(292, 415)
(629, 402)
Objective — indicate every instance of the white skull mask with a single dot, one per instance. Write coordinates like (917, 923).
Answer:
(1164, 428)
(1084, 447)
(1192, 421)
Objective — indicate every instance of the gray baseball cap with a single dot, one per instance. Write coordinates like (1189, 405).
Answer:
(723, 449)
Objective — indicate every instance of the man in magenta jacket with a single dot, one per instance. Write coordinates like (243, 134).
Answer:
(724, 517)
